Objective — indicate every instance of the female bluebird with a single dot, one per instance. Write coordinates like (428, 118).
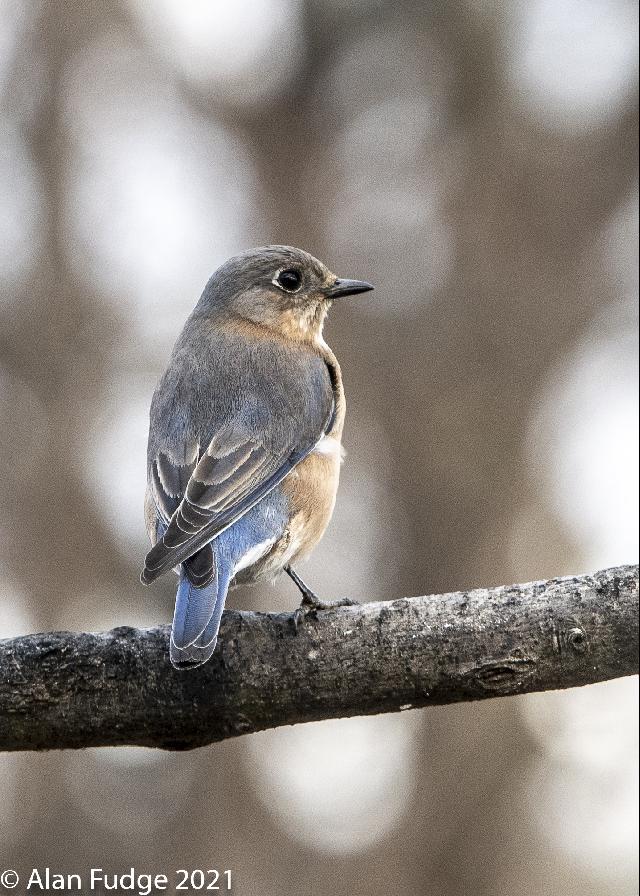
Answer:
(244, 439)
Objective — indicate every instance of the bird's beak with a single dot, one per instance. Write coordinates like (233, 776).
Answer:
(347, 288)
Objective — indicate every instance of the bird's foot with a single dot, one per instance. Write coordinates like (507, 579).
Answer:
(311, 603)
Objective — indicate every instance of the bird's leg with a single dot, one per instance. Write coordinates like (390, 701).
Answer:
(310, 600)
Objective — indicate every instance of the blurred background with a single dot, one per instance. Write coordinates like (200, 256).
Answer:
(476, 160)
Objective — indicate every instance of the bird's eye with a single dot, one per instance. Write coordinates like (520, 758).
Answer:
(290, 280)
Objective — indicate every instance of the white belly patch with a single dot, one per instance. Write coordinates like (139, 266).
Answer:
(329, 446)
(254, 554)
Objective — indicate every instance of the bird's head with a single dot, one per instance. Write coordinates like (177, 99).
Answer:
(278, 287)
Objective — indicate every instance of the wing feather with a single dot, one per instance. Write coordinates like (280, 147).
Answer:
(168, 483)
(202, 514)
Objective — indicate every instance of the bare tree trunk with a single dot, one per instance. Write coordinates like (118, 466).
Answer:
(79, 690)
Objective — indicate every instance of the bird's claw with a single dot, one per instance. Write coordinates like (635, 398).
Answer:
(311, 603)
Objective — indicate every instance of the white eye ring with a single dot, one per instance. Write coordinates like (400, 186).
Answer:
(276, 280)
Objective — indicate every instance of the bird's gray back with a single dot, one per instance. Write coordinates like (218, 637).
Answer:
(217, 374)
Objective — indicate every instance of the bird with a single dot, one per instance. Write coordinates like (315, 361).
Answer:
(244, 447)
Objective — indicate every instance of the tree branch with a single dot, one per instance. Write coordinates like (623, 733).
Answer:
(80, 690)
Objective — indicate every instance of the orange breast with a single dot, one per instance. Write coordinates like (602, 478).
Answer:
(311, 489)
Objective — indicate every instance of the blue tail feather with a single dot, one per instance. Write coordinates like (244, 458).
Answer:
(199, 610)
(193, 610)
(201, 650)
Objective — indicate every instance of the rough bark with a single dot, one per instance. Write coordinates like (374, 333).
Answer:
(63, 690)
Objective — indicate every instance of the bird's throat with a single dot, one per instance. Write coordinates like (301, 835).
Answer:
(304, 324)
